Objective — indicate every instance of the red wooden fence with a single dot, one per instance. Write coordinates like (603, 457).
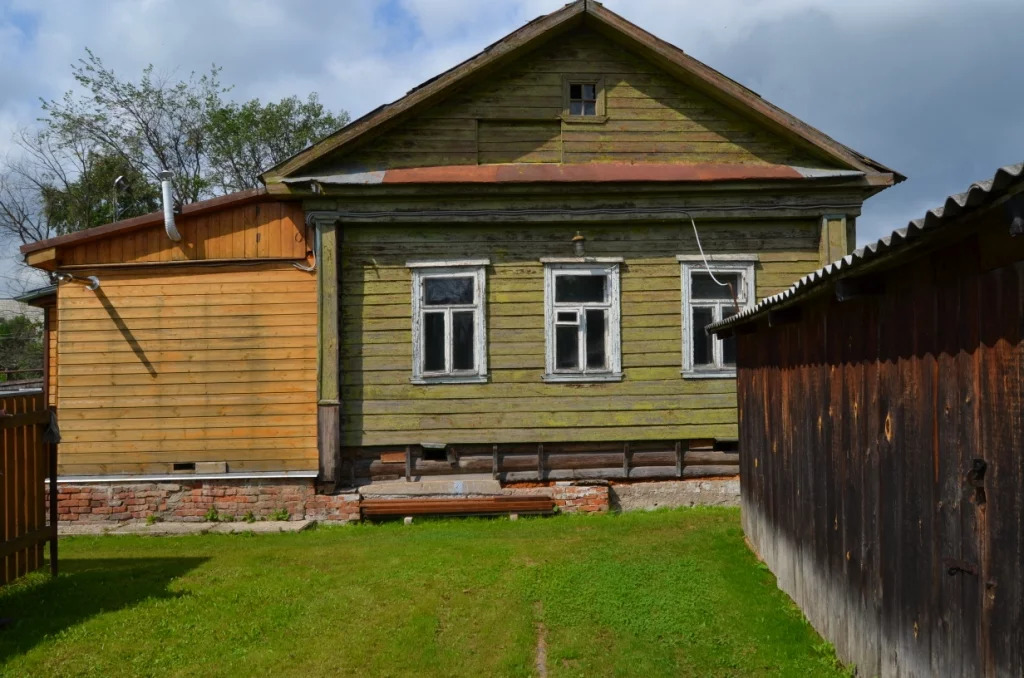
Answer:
(26, 461)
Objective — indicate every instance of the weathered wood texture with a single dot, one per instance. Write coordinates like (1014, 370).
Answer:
(653, 402)
(651, 118)
(189, 364)
(24, 468)
(544, 462)
(267, 230)
(860, 427)
(52, 359)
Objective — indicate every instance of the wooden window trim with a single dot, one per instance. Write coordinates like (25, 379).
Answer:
(744, 264)
(600, 113)
(422, 271)
(613, 345)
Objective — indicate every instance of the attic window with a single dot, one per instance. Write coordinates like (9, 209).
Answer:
(582, 98)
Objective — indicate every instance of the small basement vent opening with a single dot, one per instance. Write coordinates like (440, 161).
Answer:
(183, 466)
(434, 452)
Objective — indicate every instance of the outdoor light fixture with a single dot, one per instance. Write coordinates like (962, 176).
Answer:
(578, 244)
(91, 282)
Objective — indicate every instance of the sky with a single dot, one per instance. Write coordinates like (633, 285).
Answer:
(931, 88)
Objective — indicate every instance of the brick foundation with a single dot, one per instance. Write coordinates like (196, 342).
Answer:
(192, 501)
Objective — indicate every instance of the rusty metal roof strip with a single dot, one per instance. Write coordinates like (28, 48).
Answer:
(590, 172)
(979, 193)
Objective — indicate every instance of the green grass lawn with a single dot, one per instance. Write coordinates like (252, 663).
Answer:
(670, 593)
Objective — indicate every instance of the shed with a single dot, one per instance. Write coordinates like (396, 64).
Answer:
(881, 416)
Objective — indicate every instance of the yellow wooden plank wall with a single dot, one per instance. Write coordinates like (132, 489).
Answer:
(651, 118)
(188, 364)
(51, 350)
(653, 402)
(268, 230)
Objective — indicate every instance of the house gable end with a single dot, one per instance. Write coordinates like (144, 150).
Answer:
(521, 115)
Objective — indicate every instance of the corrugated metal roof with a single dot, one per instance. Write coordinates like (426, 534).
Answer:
(980, 193)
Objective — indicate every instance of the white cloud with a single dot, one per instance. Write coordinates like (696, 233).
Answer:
(931, 87)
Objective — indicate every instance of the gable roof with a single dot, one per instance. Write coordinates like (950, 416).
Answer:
(594, 15)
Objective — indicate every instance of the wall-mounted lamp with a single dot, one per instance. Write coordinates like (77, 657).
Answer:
(578, 244)
(91, 282)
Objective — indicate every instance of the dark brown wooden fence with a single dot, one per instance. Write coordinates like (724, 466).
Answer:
(882, 476)
(27, 460)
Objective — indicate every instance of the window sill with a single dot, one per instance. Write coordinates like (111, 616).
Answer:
(470, 379)
(591, 119)
(576, 378)
(693, 374)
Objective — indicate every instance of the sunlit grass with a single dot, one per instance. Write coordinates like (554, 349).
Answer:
(671, 593)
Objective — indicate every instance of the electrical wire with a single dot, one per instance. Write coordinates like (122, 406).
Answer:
(700, 249)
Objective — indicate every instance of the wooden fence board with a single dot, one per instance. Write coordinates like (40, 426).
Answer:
(26, 463)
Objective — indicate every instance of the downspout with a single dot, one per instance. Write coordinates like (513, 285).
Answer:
(165, 188)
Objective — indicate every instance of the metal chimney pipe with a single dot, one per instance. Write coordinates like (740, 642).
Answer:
(165, 187)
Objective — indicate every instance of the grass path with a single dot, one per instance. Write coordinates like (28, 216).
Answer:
(672, 593)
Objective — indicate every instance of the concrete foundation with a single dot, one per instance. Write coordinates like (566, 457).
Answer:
(675, 493)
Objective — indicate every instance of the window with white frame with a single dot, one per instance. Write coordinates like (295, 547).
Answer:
(581, 311)
(448, 323)
(711, 292)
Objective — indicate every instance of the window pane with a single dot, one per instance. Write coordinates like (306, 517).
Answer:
(729, 343)
(702, 354)
(433, 342)
(703, 287)
(589, 108)
(580, 288)
(575, 91)
(568, 317)
(443, 291)
(462, 341)
(596, 330)
(590, 92)
(567, 347)
(576, 107)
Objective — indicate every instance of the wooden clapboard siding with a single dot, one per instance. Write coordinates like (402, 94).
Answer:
(52, 322)
(263, 230)
(653, 402)
(516, 116)
(188, 364)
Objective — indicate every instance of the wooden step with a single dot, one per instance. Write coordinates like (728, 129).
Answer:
(458, 506)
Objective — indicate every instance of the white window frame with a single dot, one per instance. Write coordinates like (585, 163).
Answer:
(743, 264)
(421, 271)
(608, 266)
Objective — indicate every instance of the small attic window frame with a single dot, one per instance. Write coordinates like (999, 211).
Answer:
(599, 114)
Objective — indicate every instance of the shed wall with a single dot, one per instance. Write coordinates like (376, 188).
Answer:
(653, 402)
(188, 364)
(860, 425)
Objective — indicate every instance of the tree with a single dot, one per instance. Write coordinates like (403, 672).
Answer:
(93, 199)
(247, 139)
(21, 348)
(62, 179)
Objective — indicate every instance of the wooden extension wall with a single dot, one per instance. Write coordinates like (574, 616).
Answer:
(882, 467)
(52, 322)
(183, 364)
(515, 116)
(24, 468)
(266, 230)
(653, 402)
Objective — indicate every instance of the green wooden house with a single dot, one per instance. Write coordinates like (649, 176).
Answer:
(506, 274)
(518, 261)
